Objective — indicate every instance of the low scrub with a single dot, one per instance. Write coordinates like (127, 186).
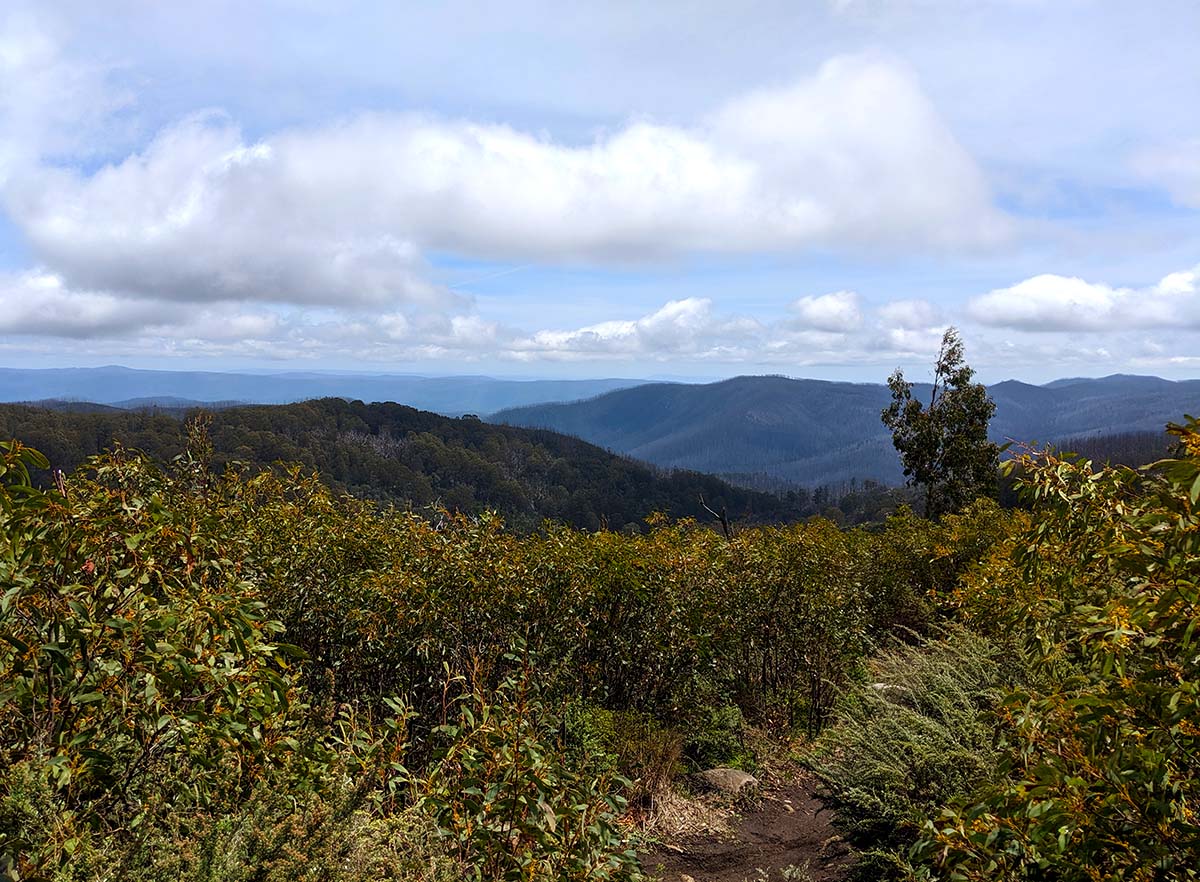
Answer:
(914, 737)
(195, 664)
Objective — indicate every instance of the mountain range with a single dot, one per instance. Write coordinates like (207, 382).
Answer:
(764, 431)
(815, 432)
(130, 388)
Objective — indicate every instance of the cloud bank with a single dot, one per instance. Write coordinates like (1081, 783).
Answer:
(852, 157)
(1048, 303)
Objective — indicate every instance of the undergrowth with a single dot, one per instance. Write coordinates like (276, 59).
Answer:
(913, 737)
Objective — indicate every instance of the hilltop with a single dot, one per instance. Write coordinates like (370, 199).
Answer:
(816, 432)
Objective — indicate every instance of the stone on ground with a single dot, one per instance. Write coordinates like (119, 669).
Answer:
(730, 781)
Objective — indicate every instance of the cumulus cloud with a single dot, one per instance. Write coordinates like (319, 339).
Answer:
(38, 303)
(679, 327)
(315, 239)
(838, 329)
(199, 216)
(51, 105)
(1051, 302)
(910, 315)
(854, 155)
(829, 312)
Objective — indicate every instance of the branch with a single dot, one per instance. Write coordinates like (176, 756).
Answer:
(723, 517)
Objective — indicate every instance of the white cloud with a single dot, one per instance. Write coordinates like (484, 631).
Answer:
(199, 216)
(38, 303)
(42, 312)
(831, 328)
(1051, 302)
(854, 156)
(835, 331)
(50, 104)
(858, 154)
(686, 326)
(829, 312)
(310, 236)
(911, 315)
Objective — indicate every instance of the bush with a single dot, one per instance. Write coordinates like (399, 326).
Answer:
(1100, 775)
(135, 660)
(509, 807)
(279, 837)
(632, 744)
(146, 688)
(718, 739)
(909, 741)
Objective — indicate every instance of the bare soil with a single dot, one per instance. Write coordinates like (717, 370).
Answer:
(789, 826)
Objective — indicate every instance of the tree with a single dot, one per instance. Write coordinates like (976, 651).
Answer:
(944, 447)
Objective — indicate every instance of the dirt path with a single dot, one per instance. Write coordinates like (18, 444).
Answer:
(790, 828)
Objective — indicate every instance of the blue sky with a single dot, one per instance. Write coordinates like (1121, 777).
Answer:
(672, 189)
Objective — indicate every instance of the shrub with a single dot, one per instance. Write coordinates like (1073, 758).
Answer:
(135, 659)
(506, 803)
(907, 742)
(718, 739)
(145, 688)
(1100, 777)
(632, 744)
(280, 837)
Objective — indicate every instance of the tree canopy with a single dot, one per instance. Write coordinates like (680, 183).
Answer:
(944, 447)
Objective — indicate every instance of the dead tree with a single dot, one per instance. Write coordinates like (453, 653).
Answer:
(721, 516)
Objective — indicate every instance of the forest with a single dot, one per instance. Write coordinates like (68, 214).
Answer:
(211, 670)
(401, 456)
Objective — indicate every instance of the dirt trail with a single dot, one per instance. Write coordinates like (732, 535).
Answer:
(791, 827)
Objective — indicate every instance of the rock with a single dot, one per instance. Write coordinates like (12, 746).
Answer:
(730, 781)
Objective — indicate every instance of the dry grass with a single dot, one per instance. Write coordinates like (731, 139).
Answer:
(675, 815)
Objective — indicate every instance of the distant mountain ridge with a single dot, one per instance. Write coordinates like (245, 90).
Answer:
(131, 389)
(816, 432)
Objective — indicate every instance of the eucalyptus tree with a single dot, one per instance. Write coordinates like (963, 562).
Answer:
(944, 447)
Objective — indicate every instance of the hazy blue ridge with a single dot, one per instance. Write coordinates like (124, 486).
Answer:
(817, 432)
(126, 387)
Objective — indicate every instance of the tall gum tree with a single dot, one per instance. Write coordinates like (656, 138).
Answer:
(944, 447)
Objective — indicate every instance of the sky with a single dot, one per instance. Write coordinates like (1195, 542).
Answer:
(675, 189)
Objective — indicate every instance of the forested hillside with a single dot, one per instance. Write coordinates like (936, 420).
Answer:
(395, 454)
(209, 674)
(814, 432)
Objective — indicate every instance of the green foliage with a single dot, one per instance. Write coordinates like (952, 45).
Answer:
(917, 567)
(1100, 777)
(719, 739)
(944, 447)
(634, 745)
(280, 837)
(134, 655)
(507, 803)
(913, 737)
(273, 835)
(670, 624)
(153, 719)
